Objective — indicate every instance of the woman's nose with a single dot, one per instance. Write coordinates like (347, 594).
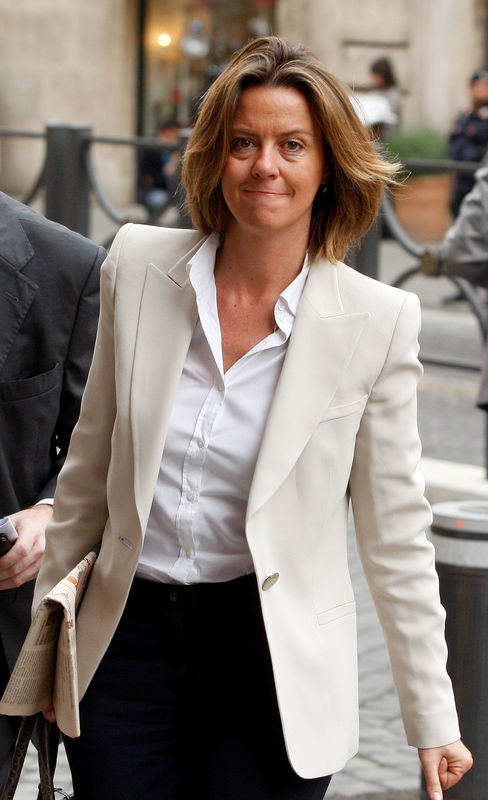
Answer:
(266, 163)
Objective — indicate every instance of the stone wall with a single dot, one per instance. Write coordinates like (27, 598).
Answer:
(434, 45)
(72, 61)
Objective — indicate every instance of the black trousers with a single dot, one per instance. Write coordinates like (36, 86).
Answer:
(183, 705)
(15, 617)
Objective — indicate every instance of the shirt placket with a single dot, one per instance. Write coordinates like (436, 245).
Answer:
(192, 475)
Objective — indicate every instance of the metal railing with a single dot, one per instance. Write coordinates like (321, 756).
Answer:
(70, 180)
(427, 261)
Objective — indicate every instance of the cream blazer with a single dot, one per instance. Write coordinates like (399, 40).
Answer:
(342, 427)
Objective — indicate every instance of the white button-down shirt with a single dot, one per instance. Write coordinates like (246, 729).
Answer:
(195, 531)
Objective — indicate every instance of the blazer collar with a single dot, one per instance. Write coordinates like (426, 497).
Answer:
(322, 289)
(167, 318)
(178, 273)
(16, 248)
(320, 350)
(17, 289)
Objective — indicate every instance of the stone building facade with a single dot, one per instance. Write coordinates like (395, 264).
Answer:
(435, 45)
(77, 61)
(71, 61)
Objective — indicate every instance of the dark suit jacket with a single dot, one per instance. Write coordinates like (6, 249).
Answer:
(49, 296)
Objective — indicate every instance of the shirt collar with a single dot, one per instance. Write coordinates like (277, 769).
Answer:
(200, 271)
(287, 303)
(200, 268)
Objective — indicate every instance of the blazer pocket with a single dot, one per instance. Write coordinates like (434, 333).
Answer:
(346, 409)
(337, 612)
(33, 386)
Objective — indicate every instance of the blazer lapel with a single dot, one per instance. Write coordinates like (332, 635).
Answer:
(18, 291)
(321, 346)
(167, 318)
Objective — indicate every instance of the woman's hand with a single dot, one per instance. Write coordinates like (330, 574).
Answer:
(444, 766)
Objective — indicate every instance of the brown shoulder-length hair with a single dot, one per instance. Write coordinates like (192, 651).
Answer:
(356, 171)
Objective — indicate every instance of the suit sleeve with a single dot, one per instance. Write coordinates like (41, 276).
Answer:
(75, 370)
(391, 516)
(464, 251)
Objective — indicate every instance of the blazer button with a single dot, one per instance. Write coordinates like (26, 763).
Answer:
(270, 581)
(126, 542)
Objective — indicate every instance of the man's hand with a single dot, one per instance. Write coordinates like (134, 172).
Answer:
(23, 561)
(444, 766)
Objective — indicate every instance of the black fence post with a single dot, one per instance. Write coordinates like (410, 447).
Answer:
(67, 186)
(460, 536)
(366, 258)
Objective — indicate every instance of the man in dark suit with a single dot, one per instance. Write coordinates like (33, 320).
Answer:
(49, 297)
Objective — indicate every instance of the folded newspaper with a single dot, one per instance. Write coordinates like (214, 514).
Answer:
(46, 669)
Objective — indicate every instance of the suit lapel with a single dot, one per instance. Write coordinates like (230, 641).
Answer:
(323, 341)
(16, 247)
(18, 291)
(167, 318)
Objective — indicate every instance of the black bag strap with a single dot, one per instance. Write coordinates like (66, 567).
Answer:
(47, 754)
(23, 739)
(48, 736)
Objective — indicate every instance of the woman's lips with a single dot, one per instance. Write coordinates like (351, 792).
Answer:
(265, 192)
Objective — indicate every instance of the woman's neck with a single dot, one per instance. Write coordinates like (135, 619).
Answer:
(258, 264)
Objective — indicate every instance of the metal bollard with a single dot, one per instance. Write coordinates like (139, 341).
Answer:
(460, 537)
(67, 185)
(366, 258)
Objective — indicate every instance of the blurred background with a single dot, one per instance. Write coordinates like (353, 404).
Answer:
(124, 67)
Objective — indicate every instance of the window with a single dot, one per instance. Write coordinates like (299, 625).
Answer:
(185, 45)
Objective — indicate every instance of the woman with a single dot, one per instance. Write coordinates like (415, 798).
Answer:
(384, 85)
(245, 385)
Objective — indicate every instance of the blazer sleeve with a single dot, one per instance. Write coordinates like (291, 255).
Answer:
(464, 251)
(391, 516)
(75, 370)
(80, 507)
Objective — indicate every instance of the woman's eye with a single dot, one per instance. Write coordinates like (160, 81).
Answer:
(240, 144)
(293, 146)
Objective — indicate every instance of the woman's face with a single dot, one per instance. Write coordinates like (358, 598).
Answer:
(378, 80)
(276, 162)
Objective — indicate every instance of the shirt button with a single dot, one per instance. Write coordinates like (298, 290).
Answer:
(201, 442)
(221, 386)
(173, 596)
(280, 305)
(190, 496)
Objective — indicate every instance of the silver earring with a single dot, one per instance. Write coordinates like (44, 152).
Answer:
(324, 188)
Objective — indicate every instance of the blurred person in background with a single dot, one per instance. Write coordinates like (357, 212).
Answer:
(384, 84)
(379, 107)
(159, 169)
(468, 139)
(464, 251)
(247, 386)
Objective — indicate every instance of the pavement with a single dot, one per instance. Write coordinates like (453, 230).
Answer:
(452, 431)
